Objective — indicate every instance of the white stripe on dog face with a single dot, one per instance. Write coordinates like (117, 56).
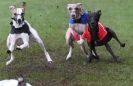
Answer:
(19, 11)
(19, 16)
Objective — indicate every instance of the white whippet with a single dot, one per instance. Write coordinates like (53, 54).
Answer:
(77, 25)
(21, 29)
(14, 82)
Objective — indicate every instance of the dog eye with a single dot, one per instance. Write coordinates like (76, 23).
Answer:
(15, 14)
(76, 8)
(70, 8)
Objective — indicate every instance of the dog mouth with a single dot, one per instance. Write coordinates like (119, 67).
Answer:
(75, 16)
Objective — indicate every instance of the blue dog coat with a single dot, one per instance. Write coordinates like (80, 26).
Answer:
(82, 20)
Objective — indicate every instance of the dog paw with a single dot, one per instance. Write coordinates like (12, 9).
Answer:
(68, 59)
(89, 60)
(7, 63)
(50, 62)
(96, 57)
(119, 60)
(8, 52)
(123, 45)
(115, 60)
(18, 48)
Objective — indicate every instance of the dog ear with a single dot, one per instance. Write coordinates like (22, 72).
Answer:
(68, 6)
(99, 12)
(80, 8)
(23, 6)
(12, 9)
(79, 4)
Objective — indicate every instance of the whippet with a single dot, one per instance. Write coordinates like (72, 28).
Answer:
(21, 29)
(77, 25)
(13, 82)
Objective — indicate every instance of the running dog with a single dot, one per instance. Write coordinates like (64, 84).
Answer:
(21, 29)
(77, 25)
(13, 82)
(98, 35)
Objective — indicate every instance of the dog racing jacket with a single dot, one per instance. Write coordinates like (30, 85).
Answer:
(23, 29)
(101, 33)
(82, 20)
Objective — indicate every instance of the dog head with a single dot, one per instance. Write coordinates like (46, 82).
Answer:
(22, 81)
(93, 18)
(18, 13)
(75, 10)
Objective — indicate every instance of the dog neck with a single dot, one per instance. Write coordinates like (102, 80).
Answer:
(16, 25)
(78, 20)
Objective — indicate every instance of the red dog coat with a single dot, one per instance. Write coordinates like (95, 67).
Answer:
(101, 33)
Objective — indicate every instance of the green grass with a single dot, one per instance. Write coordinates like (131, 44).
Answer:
(50, 18)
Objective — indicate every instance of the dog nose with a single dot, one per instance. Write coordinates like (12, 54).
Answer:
(92, 23)
(73, 16)
(19, 21)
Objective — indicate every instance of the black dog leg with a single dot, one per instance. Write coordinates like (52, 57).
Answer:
(116, 38)
(111, 52)
(90, 58)
(95, 55)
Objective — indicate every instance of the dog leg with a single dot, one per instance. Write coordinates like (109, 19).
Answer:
(116, 38)
(41, 44)
(95, 55)
(25, 39)
(69, 41)
(11, 59)
(69, 37)
(70, 53)
(83, 49)
(10, 44)
(111, 52)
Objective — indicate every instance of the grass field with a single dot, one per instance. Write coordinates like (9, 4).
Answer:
(50, 18)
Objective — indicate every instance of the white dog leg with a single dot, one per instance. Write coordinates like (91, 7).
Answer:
(69, 54)
(83, 49)
(10, 44)
(11, 59)
(41, 44)
(93, 53)
(25, 39)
